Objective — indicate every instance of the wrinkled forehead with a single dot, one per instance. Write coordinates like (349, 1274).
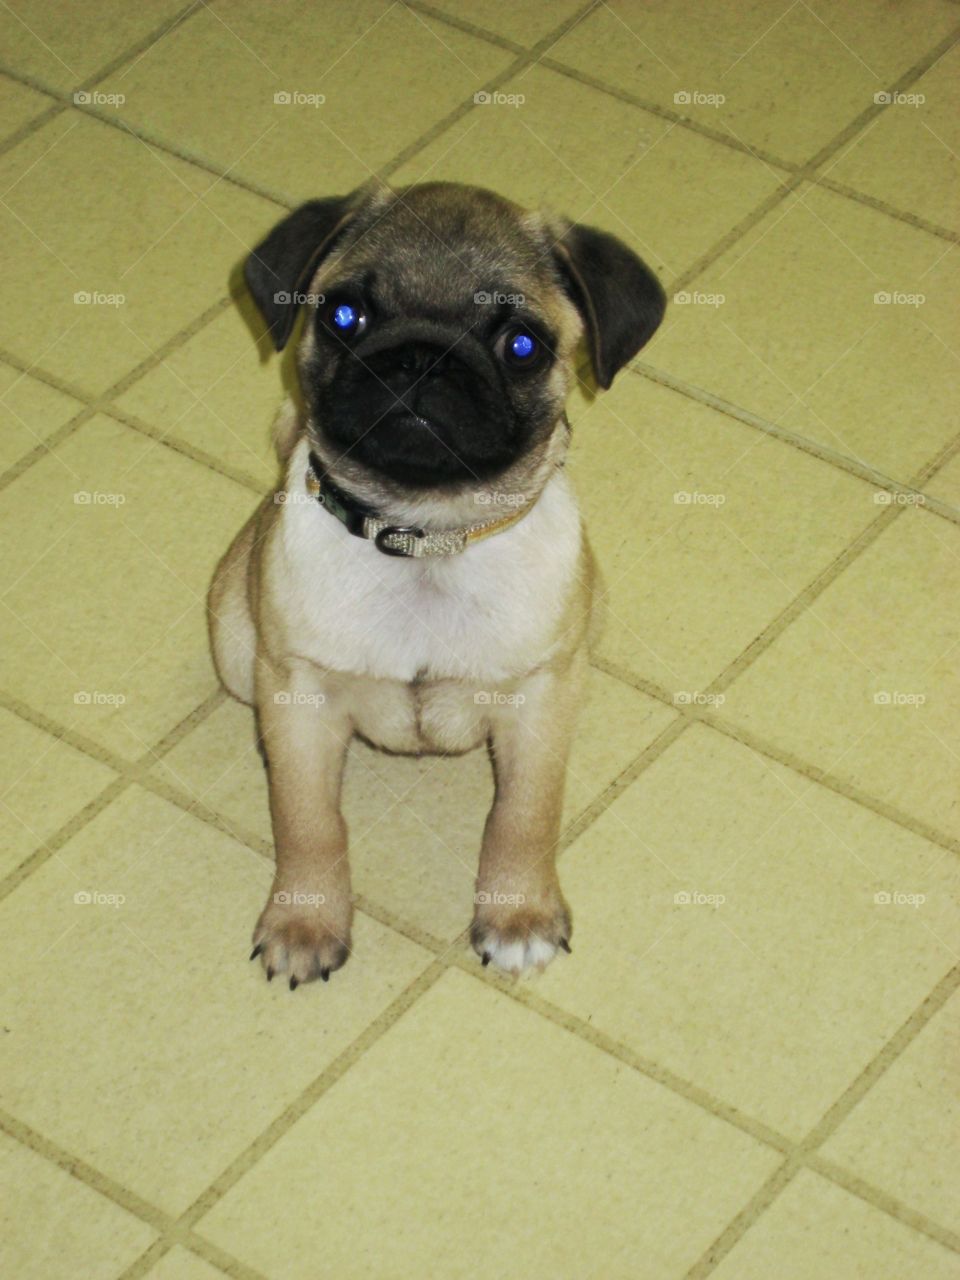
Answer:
(445, 246)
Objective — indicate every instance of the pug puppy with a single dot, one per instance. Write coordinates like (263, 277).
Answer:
(422, 579)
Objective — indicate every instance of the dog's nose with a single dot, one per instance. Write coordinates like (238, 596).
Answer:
(416, 360)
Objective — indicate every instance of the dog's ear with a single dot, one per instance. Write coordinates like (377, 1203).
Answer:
(618, 296)
(280, 268)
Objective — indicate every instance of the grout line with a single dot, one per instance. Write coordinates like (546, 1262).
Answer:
(469, 28)
(886, 1203)
(806, 444)
(882, 206)
(103, 403)
(524, 60)
(193, 452)
(734, 1232)
(127, 775)
(778, 755)
(274, 1132)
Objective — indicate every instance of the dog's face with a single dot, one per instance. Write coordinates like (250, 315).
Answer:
(442, 327)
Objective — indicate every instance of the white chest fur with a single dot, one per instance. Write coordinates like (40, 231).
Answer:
(490, 612)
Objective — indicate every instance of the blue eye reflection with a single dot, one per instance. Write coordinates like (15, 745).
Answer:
(344, 316)
(523, 346)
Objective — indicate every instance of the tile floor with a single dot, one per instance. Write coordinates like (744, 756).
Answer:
(748, 1066)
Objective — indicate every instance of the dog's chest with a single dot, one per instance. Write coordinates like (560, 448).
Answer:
(489, 613)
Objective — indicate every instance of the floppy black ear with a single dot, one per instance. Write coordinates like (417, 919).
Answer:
(280, 267)
(619, 297)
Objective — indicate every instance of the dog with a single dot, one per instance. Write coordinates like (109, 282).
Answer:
(422, 578)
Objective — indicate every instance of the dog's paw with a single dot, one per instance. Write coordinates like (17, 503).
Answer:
(520, 938)
(300, 942)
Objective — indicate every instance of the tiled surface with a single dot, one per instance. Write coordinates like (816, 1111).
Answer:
(624, 1113)
(53, 1225)
(908, 158)
(791, 324)
(816, 1229)
(864, 684)
(756, 987)
(462, 1110)
(250, 56)
(909, 1159)
(784, 79)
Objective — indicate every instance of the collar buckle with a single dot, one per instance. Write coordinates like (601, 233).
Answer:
(397, 530)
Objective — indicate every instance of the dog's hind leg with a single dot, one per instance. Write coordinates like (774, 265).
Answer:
(233, 637)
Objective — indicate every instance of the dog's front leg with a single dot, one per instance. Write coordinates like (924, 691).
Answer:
(520, 916)
(304, 930)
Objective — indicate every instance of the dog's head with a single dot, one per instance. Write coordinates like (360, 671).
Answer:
(442, 327)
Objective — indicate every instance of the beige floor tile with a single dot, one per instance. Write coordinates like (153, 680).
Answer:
(162, 238)
(413, 71)
(945, 483)
(865, 683)
(814, 1230)
(214, 393)
(415, 825)
(43, 782)
(53, 1227)
(544, 153)
(103, 626)
(523, 21)
(799, 336)
(18, 104)
(139, 1037)
(691, 582)
(903, 1135)
(494, 1131)
(63, 45)
(178, 1264)
(908, 157)
(777, 997)
(30, 412)
(790, 77)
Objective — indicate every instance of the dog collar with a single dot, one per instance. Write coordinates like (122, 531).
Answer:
(395, 539)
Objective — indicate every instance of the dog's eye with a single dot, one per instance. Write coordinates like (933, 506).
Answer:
(346, 319)
(520, 348)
